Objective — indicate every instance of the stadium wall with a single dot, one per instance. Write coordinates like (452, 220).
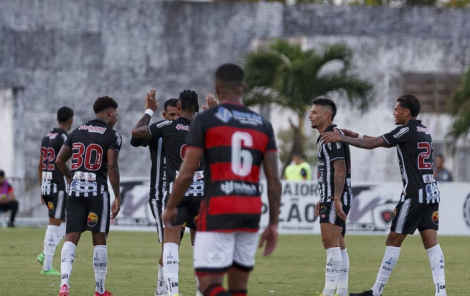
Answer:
(64, 52)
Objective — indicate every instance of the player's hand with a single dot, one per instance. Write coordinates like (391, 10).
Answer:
(210, 100)
(169, 216)
(317, 209)
(270, 236)
(331, 137)
(150, 101)
(42, 200)
(349, 133)
(339, 209)
(116, 207)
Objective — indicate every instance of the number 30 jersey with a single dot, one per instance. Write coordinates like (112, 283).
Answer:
(415, 155)
(234, 140)
(90, 143)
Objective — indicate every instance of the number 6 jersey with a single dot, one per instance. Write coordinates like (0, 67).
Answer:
(415, 155)
(90, 143)
(234, 140)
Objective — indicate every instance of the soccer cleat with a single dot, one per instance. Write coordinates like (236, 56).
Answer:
(365, 293)
(51, 271)
(106, 293)
(41, 258)
(198, 293)
(64, 291)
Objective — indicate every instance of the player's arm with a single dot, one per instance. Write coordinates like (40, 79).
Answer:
(141, 129)
(339, 179)
(40, 174)
(61, 162)
(274, 188)
(366, 142)
(182, 182)
(303, 173)
(114, 179)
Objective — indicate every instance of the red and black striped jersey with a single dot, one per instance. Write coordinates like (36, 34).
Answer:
(234, 139)
(52, 179)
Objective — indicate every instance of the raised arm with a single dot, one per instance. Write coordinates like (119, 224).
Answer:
(339, 179)
(114, 179)
(61, 161)
(141, 129)
(365, 142)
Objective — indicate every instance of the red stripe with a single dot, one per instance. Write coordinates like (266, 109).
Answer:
(216, 291)
(220, 205)
(222, 136)
(202, 221)
(222, 171)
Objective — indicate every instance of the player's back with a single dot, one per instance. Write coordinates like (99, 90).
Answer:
(52, 178)
(234, 139)
(89, 165)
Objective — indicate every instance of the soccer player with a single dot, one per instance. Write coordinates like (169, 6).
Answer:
(53, 188)
(94, 148)
(418, 207)
(334, 181)
(8, 200)
(158, 181)
(235, 142)
(174, 138)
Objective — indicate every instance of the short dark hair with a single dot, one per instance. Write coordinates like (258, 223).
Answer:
(441, 156)
(300, 155)
(103, 103)
(230, 75)
(170, 103)
(411, 103)
(2, 173)
(322, 101)
(64, 114)
(189, 101)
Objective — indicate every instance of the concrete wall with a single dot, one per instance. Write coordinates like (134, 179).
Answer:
(64, 52)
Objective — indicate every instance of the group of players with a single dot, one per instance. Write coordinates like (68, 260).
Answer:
(205, 175)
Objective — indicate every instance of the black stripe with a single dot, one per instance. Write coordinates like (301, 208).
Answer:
(213, 270)
(233, 221)
(242, 267)
(224, 154)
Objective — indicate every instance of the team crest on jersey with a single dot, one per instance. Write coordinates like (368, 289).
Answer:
(92, 219)
(401, 132)
(435, 217)
(50, 206)
(223, 114)
(323, 209)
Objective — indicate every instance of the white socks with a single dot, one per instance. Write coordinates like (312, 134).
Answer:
(100, 264)
(388, 263)
(161, 287)
(170, 267)
(436, 259)
(342, 285)
(62, 230)
(333, 267)
(51, 240)
(67, 257)
(197, 280)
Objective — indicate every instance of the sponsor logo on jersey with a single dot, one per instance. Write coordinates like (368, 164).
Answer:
(428, 179)
(435, 217)
(50, 206)
(47, 175)
(164, 123)
(51, 135)
(81, 186)
(92, 219)
(323, 209)
(84, 176)
(92, 129)
(401, 132)
(248, 118)
(182, 127)
(223, 114)
(422, 129)
(239, 188)
(466, 210)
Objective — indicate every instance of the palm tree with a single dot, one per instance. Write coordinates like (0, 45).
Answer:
(459, 108)
(291, 78)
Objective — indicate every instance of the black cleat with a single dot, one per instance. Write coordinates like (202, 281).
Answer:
(365, 293)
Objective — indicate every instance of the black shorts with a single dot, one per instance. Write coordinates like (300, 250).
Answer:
(88, 213)
(188, 210)
(328, 215)
(410, 215)
(56, 203)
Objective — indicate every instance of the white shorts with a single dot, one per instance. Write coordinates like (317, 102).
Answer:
(217, 252)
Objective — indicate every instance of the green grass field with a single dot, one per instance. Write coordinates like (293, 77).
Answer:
(296, 267)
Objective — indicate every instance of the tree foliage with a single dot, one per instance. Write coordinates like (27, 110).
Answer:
(459, 108)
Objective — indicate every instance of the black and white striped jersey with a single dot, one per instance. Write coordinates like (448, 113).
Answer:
(415, 156)
(52, 179)
(327, 155)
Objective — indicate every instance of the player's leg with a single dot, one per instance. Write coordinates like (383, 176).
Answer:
(191, 223)
(331, 228)
(428, 230)
(156, 209)
(342, 285)
(98, 224)
(171, 257)
(213, 257)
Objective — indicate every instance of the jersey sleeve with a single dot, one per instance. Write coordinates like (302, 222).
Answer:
(335, 151)
(399, 135)
(140, 142)
(156, 129)
(69, 140)
(115, 141)
(271, 138)
(196, 136)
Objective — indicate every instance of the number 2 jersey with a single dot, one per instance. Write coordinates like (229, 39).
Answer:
(90, 143)
(234, 139)
(415, 155)
(52, 179)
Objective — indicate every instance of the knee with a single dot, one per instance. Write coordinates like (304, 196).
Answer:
(14, 204)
